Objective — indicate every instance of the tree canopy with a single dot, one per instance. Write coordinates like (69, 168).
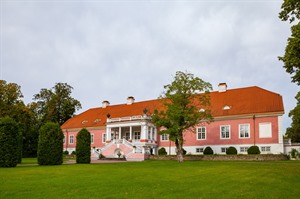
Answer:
(182, 101)
(290, 11)
(293, 132)
(56, 104)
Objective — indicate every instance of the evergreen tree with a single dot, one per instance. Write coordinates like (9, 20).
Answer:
(10, 149)
(50, 146)
(83, 146)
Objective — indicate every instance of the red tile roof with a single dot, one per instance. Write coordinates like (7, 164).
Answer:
(241, 101)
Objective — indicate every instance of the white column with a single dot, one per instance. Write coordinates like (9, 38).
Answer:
(108, 134)
(143, 132)
(120, 133)
(130, 133)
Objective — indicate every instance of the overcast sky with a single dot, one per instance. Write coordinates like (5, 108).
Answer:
(109, 50)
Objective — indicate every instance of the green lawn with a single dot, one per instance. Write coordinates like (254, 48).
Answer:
(153, 179)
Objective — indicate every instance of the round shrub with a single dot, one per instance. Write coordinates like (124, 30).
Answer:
(66, 152)
(9, 142)
(253, 150)
(73, 153)
(83, 146)
(208, 151)
(50, 146)
(183, 151)
(231, 151)
(162, 151)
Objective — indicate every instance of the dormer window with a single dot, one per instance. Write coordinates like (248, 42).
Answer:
(202, 110)
(226, 107)
(97, 120)
(84, 122)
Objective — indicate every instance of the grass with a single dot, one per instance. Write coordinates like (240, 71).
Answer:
(154, 179)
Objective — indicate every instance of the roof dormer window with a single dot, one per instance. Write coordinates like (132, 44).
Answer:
(226, 107)
(202, 110)
(84, 122)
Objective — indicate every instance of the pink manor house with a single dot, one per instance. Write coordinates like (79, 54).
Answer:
(242, 117)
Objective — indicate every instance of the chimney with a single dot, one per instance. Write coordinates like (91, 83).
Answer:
(130, 100)
(105, 104)
(222, 87)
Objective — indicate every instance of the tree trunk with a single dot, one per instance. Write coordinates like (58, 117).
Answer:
(179, 153)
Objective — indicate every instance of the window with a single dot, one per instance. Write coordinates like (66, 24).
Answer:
(92, 138)
(164, 137)
(199, 150)
(64, 139)
(223, 150)
(149, 135)
(104, 137)
(244, 130)
(201, 133)
(127, 135)
(137, 135)
(265, 149)
(244, 149)
(71, 140)
(265, 130)
(225, 132)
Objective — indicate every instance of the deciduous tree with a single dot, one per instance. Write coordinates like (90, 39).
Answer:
(56, 104)
(182, 101)
(290, 11)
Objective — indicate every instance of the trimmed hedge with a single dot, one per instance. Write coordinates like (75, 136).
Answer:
(50, 146)
(83, 146)
(162, 151)
(231, 151)
(253, 150)
(10, 149)
(208, 151)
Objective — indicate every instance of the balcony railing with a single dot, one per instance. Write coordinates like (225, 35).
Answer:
(129, 118)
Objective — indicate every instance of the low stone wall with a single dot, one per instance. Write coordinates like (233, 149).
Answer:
(268, 157)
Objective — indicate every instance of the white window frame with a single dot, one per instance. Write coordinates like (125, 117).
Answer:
(199, 150)
(92, 138)
(103, 137)
(64, 139)
(71, 139)
(137, 135)
(263, 127)
(221, 135)
(265, 149)
(244, 131)
(201, 134)
(244, 149)
(164, 137)
(224, 149)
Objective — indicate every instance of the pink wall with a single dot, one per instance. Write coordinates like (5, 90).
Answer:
(213, 133)
(97, 138)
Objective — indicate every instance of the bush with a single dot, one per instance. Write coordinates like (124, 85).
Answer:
(83, 146)
(73, 153)
(294, 153)
(183, 151)
(253, 150)
(50, 146)
(9, 142)
(66, 152)
(208, 151)
(162, 151)
(231, 151)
